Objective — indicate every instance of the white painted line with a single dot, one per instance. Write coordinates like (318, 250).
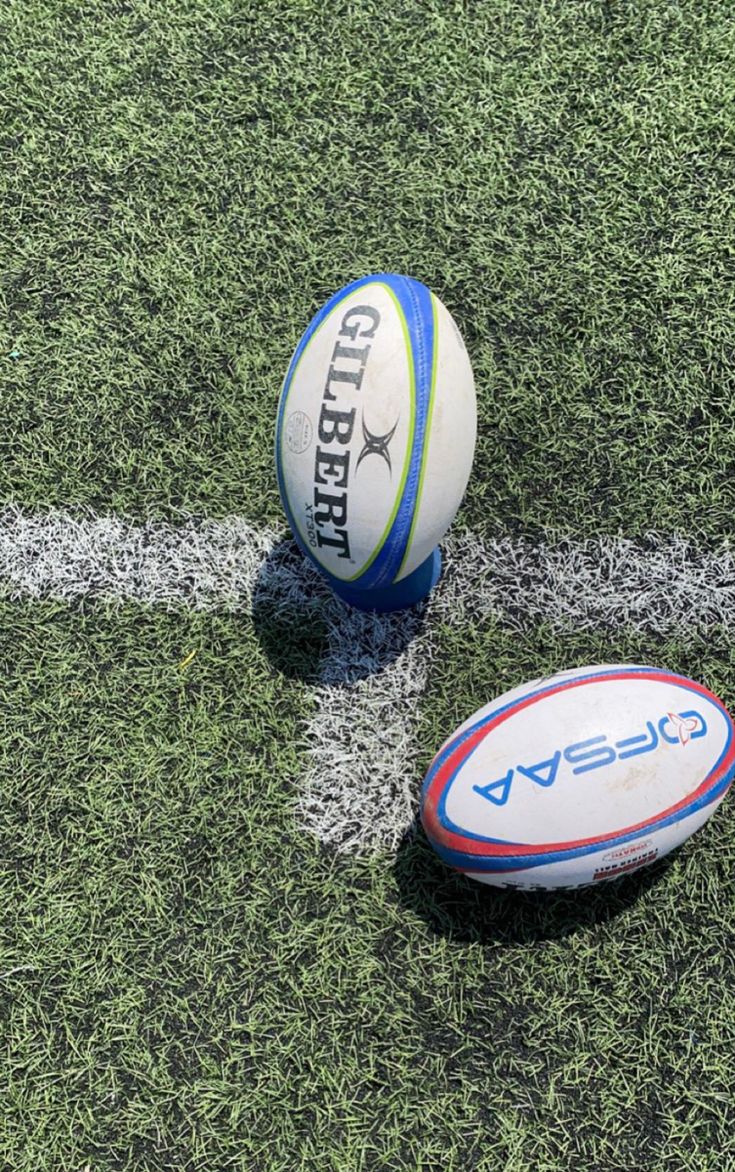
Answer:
(199, 564)
(359, 792)
(360, 785)
(664, 585)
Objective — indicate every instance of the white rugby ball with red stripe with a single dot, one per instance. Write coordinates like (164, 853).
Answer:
(579, 778)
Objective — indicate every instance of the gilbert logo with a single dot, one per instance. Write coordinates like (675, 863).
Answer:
(376, 445)
(326, 515)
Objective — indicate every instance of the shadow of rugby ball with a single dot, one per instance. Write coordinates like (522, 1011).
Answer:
(375, 438)
(579, 778)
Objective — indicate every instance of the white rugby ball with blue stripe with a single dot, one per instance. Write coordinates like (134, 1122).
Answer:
(375, 439)
(579, 778)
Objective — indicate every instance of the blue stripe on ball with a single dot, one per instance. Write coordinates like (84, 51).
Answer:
(308, 334)
(415, 302)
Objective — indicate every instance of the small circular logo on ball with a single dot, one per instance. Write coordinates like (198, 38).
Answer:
(299, 432)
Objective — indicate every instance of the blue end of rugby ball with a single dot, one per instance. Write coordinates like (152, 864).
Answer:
(408, 592)
(374, 439)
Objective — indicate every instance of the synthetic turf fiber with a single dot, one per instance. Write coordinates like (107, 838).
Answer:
(189, 979)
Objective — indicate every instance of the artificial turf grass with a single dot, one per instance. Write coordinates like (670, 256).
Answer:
(188, 981)
(127, 779)
(187, 187)
(182, 189)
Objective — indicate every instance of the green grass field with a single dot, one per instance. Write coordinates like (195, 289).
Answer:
(188, 980)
